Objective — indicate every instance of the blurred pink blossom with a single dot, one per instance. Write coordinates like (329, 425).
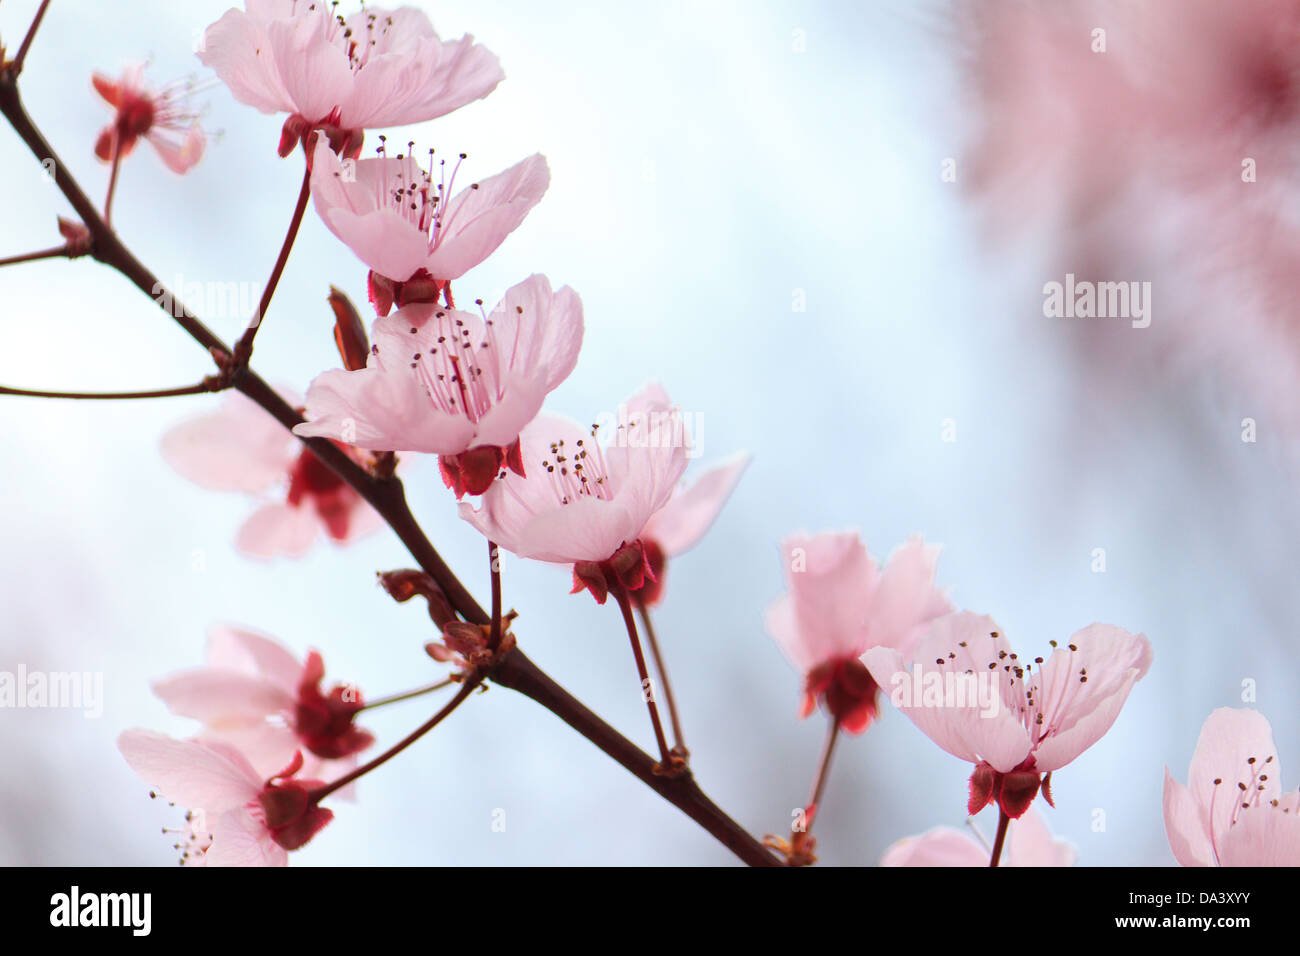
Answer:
(1151, 140)
(254, 694)
(242, 448)
(235, 818)
(1029, 843)
(157, 116)
(839, 605)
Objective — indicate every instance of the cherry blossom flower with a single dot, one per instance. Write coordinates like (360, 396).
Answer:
(1233, 811)
(157, 116)
(235, 816)
(680, 524)
(405, 225)
(255, 695)
(1029, 843)
(344, 75)
(979, 701)
(839, 605)
(455, 384)
(242, 448)
(586, 505)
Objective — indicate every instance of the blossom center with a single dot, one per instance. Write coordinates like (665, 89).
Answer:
(135, 116)
(412, 193)
(575, 473)
(310, 478)
(344, 35)
(460, 377)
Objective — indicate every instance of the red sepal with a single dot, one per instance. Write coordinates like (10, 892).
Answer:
(324, 722)
(1014, 790)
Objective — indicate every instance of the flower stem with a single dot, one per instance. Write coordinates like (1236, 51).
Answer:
(1000, 839)
(466, 689)
(801, 841)
(679, 739)
(244, 347)
(112, 179)
(494, 566)
(824, 767)
(408, 695)
(647, 686)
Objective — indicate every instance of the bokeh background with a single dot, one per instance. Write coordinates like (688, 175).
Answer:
(715, 166)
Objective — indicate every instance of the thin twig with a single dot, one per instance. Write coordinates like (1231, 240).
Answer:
(466, 689)
(408, 695)
(53, 253)
(15, 66)
(207, 385)
(244, 347)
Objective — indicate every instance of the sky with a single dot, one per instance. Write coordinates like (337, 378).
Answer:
(748, 198)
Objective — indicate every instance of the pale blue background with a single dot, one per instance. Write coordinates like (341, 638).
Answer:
(704, 171)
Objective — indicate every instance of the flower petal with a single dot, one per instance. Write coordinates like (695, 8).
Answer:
(691, 511)
(240, 840)
(1187, 825)
(942, 846)
(278, 530)
(189, 773)
(477, 220)
(239, 447)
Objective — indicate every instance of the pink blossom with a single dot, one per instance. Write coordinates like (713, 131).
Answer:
(1029, 843)
(404, 222)
(372, 69)
(587, 505)
(254, 694)
(235, 817)
(241, 448)
(1123, 157)
(1233, 811)
(455, 384)
(839, 605)
(679, 525)
(157, 116)
(989, 707)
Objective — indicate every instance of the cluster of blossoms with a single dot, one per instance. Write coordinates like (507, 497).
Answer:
(427, 378)
(468, 386)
